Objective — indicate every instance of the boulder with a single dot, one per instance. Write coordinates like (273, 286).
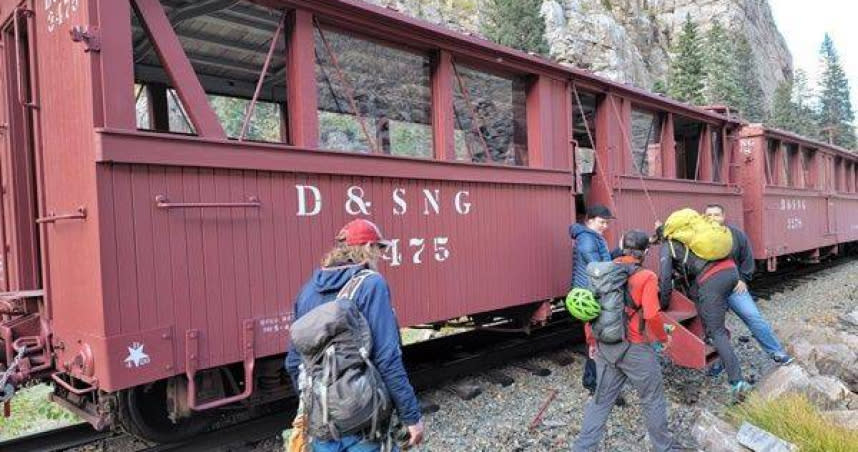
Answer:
(850, 319)
(715, 435)
(843, 418)
(785, 379)
(825, 391)
(757, 439)
(803, 351)
(838, 360)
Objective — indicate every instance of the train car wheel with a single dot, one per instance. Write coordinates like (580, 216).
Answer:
(144, 414)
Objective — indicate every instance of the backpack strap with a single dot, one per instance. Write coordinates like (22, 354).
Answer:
(630, 302)
(350, 289)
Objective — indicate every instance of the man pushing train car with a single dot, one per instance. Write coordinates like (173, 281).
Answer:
(740, 300)
(345, 353)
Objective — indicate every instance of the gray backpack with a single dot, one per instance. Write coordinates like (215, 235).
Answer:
(608, 281)
(341, 389)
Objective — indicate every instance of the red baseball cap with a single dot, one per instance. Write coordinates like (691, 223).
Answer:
(360, 232)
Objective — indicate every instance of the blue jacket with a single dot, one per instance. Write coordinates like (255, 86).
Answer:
(373, 300)
(589, 247)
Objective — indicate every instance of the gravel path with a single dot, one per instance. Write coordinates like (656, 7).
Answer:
(499, 418)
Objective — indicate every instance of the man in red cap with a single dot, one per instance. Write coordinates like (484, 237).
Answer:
(359, 245)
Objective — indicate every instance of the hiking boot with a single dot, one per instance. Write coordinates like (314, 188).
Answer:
(740, 389)
(783, 359)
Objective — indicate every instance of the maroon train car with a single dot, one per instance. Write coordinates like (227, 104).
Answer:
(801, 202)
(155, 241)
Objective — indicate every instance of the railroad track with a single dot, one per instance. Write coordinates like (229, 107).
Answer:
(429, 364)
(55, 440)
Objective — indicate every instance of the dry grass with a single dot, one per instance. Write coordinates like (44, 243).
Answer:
(794, 418)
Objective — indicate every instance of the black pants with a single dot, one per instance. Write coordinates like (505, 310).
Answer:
(712, 306)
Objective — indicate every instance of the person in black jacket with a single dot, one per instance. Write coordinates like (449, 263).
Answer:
(740, 301)
(709, 284)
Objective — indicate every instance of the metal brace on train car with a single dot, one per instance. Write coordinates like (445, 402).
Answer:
(7, 390)
(88, 35)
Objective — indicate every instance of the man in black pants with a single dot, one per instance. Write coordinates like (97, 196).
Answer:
(709, 284)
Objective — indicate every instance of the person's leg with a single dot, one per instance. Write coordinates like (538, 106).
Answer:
(644, 373)
(598, 408)
(743, 306)
(713, 308)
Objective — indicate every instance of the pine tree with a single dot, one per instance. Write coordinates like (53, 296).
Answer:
(836, 114)
(685, 77)
(516, 24)
(802, 97)
(720, 69)
(753, 101)
(784, 114)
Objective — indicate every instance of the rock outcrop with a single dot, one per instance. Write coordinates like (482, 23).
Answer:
(628, 40)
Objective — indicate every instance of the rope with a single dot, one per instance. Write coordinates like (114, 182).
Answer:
(349, 90)
(596, 164)
(252, 106)
(474, 116)
(629, 142)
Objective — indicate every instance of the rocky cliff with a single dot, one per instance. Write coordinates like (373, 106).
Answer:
(628, 40)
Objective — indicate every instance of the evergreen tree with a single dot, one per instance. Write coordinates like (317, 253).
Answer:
(720, 67)
(836, 114)
(753, 101)
(685, 77)
(802, 98)
(659, 87)
(784, 114)
(516, 24)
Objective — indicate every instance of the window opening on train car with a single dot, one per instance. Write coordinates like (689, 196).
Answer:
(372, 97)
(141, 106)
(227, 46)
(806, 160)
(790, 157)
(686, 135)
(771, 153)
(838, 174)
(646, 142)
(717, 143)
(583, 127)
(490, 117)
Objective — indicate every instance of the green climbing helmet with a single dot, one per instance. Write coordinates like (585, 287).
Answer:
(582, 304)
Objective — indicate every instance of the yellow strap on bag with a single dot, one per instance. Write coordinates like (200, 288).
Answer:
(298, 438)
(706, 238)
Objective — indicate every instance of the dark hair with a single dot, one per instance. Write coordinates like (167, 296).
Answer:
(716, 206)
(635, 243)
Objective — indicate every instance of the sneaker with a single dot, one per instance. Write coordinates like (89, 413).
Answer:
(739, 389)
(783, 360)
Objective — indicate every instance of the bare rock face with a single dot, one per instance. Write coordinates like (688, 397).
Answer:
(755, 438)
(627, 41)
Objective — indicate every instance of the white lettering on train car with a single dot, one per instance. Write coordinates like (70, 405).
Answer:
(272, 325)
(302, 200)
(463, 207)
(793, 204)
(434, 201)
(401, 206)
(356, 205)
(59, 12)
(411, 250)
(794, 223)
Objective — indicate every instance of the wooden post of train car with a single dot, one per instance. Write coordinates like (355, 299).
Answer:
(668, 148)
(547, 116)
(704, 156)
(302, 98)
(443, 126)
